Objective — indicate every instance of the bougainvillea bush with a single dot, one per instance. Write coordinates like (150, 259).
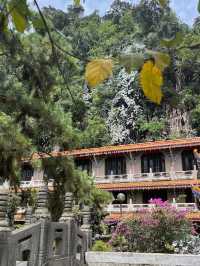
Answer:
(155, 230)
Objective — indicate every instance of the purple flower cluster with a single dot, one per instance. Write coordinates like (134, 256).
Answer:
(121, 230)
(149, 221)
(159, 202)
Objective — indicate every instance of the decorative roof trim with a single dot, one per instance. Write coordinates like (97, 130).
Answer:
(148, 185)
(120, 149)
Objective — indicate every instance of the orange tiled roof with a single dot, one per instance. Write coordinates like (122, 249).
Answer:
(193, 216)
(148, 185)
(146, 146)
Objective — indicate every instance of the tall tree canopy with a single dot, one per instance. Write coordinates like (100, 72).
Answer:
(50, 60)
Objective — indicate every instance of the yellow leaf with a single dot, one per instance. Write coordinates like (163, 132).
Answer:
(151, 80)
(97, 71)
(77, 2)
(163, 3)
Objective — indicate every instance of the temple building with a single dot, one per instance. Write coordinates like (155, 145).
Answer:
(163, 169)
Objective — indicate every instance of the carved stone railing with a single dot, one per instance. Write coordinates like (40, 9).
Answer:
(141, 177)
(139, 207)
(43, 242)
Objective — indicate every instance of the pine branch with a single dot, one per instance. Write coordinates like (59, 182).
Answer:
(53, 49)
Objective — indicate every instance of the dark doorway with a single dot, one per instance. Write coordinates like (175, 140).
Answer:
(27, 172)
(26, 255)
(154, 194)
(188, 160)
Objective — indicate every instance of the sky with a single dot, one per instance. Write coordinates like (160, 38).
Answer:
(185, 9)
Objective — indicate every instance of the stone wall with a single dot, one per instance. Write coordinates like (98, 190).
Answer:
(140, 259)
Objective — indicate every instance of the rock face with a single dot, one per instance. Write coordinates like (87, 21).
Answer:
(179, 123)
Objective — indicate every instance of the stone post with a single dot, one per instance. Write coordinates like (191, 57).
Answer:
(86, 227)
(28, 216)
(3, 206)
(7, 257)
(42, 214)
(67, 212)
(68, 218)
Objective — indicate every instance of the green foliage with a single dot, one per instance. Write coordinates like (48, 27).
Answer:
(131, 62)
(29, 198)
(13, 203)
(172, 42)
(99, 245)
(152, 129)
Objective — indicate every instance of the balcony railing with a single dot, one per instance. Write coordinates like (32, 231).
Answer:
(138, 207)
(192, 174)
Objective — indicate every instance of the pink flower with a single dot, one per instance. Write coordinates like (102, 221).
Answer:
(159, 202)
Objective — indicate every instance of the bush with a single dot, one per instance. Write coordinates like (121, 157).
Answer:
(12, 204)
(99, 245)
(154, 230)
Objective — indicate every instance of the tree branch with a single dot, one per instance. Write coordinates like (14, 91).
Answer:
(53, 48)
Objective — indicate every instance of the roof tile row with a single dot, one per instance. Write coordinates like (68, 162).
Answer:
(146, 146)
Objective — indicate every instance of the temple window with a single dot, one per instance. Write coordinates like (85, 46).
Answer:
(188, 160)
(154, 161)
(27, 172)
(115, 166)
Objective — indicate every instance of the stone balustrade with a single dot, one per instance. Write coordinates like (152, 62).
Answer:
(138, 207)
(141, 177)
(43, 242)
(35, 183)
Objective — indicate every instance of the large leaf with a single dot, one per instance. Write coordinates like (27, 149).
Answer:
(77, 2)
(19, 21)
(162, 60)
(163, 3)
(173, 42)
(131, 61)
(97, 71)
(3, 22)
(198, 6)
(19, 12)
(151, 80)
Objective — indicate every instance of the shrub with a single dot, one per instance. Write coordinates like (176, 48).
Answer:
(99, 245)
(12, 204)
(154, 230)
